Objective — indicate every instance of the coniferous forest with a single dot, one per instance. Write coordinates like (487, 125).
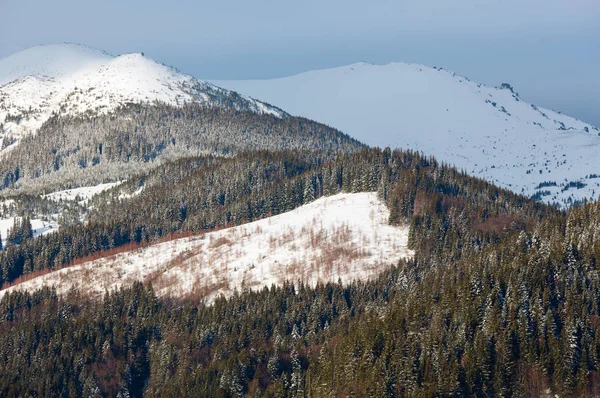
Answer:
(90, 149)
(501, 298)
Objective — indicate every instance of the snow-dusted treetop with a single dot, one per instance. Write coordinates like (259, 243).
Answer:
(74, 79)
(489, 132)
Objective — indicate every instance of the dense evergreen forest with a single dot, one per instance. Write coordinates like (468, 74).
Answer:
(200, 194)
(502, 297)
(87, 150)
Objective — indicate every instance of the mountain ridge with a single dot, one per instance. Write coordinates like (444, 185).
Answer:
(490, 132)
(74, 116)
(71, 79)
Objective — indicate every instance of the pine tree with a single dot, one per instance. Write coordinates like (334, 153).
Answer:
(309, 190)
(26, 228)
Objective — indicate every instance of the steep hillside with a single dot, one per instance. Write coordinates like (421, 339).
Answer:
(201, 194)
(489, 132)
(70, 152)
(70, 79)
(343, 237)
(72, 116)
(500, 297)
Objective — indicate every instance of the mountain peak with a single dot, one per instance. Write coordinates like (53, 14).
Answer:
(489, 132)
(53, 61)
(74, 79)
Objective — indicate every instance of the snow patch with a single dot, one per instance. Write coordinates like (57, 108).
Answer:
(83, 194)
(343, 237)
(40, 227)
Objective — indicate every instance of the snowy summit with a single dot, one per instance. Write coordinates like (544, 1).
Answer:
(489, 132)
(71, 79)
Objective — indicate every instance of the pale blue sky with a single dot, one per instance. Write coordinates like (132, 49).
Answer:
(548, 49)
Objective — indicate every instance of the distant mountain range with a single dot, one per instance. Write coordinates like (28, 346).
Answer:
(72, 116)
(489, 132)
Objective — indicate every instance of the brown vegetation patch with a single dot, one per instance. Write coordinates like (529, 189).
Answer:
(499, 223)
(216, 243)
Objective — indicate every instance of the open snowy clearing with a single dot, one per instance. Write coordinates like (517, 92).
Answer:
(343, 237)
(83, 194)
(49, 225)
(40, 227)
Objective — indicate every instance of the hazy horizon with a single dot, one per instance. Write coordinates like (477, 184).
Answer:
(547, 50)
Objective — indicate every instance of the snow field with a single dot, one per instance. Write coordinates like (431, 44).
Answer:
(343, 237)
(83, 194)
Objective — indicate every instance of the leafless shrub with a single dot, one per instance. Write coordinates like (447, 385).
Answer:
(216, 243)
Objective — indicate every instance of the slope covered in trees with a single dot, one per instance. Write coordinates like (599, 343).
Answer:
(520, 317)
(501, 297)
(208, 192)
(86, 150)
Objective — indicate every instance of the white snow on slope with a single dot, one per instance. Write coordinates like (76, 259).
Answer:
(491, 133)
(71, 79)
(83, 194)
(345, 237)
(40, 227)
(53, 62)
(48, 223)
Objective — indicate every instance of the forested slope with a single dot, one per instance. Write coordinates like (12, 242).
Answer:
(201, 194)
(71, 151)
(519, 320)
(500, 299)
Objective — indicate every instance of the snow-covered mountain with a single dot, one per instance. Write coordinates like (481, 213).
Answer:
(489, 132)
(343, 237)
(71, 79)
